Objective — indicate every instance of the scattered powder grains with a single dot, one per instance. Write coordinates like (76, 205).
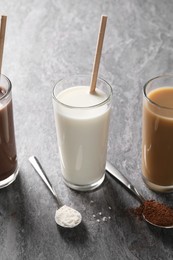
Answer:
(99, 217)
(105, 219)
(155, 212)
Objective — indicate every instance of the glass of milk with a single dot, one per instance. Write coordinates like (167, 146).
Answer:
(82, 124)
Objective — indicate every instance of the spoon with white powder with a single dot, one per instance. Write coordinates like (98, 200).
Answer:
(65, 216)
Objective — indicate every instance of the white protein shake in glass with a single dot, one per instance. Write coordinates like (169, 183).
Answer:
(82, 123)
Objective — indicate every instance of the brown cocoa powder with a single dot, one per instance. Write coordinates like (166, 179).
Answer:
(155, 212)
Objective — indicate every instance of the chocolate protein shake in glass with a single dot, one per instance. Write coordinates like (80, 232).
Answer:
(8, 156)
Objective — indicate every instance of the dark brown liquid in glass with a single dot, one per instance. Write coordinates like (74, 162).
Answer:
(8, 158)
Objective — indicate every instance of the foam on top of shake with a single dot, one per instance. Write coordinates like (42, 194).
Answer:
(79, 96)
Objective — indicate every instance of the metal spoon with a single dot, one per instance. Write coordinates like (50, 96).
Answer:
(65, 216)
(120, 177)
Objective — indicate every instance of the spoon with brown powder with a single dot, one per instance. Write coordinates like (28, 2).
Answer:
(153, 212)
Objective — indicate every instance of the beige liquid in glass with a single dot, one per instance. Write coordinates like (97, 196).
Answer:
(157, 147)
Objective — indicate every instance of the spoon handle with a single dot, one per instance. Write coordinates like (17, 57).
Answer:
(38, 168)
(120, 177)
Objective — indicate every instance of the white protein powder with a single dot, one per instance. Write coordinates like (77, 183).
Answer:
(67, 217)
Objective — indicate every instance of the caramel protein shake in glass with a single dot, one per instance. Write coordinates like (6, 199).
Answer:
(157, 134)
(8, 157)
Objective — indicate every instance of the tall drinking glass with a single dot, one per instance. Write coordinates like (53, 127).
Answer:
(157, 143)
(82, 123)
(8, 156)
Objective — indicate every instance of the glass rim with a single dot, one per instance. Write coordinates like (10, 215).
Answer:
(9, 86)
(150, 100)
(85, 107)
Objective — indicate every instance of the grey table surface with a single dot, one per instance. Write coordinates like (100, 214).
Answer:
(45, 41)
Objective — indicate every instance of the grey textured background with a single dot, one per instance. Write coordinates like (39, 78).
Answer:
(45, 41)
